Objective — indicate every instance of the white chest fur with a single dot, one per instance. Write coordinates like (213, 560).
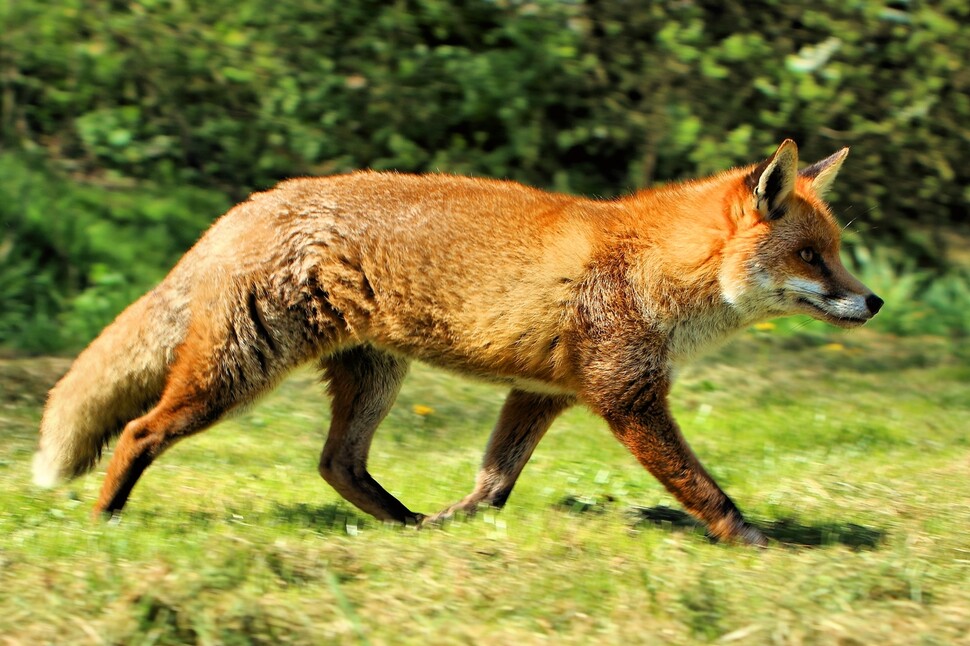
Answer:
(694, 335)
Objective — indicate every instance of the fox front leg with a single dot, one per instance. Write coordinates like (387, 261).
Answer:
(638, 414)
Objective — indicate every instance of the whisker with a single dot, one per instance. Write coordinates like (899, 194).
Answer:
(802, 324)
(845, 211)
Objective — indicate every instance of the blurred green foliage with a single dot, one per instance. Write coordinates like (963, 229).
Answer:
(918, 302)
(139, 121)
(73, 255)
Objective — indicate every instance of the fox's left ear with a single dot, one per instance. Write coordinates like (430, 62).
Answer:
(773, 181)
(822, 173)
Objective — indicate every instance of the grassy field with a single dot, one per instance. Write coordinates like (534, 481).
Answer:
(850, 450)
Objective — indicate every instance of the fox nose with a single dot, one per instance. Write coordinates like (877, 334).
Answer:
(874, 303)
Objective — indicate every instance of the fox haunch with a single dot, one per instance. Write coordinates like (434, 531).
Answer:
(564, 299)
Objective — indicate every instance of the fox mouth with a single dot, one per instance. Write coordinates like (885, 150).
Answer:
(829, 317)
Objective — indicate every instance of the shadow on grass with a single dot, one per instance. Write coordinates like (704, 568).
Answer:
(333, 516)
(786, 531)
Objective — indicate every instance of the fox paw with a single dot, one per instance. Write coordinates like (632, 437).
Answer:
(749, 535)
(458, 510)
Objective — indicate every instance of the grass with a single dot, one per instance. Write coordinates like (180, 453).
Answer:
(850, 450)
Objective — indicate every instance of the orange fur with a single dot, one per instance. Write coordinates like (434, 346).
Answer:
(562, 298)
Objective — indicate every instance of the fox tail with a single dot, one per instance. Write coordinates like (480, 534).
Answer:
(117, 378)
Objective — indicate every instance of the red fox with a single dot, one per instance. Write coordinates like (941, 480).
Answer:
(564, 299)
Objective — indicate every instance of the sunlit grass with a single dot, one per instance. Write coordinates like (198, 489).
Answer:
(850, 450)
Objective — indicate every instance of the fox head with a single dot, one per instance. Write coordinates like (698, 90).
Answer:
(784, 256)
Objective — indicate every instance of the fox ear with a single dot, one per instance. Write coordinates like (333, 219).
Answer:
(822, 173)
(773, 180)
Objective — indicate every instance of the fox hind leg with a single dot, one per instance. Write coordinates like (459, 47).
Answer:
(363, 383)
(144, 439)
(190, 403)
(524, 420)
(207, 378)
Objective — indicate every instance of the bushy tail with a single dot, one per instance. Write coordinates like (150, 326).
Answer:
(116, 379)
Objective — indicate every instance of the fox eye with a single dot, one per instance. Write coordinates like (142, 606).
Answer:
(809, 255)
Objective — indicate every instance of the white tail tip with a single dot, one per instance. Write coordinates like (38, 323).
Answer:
(46, 473)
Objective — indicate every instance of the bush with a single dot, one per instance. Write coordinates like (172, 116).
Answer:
(917, 301)
(182, 103)
(593, 97)
(73, 255)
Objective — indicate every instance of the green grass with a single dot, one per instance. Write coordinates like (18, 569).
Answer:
(850, 450)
